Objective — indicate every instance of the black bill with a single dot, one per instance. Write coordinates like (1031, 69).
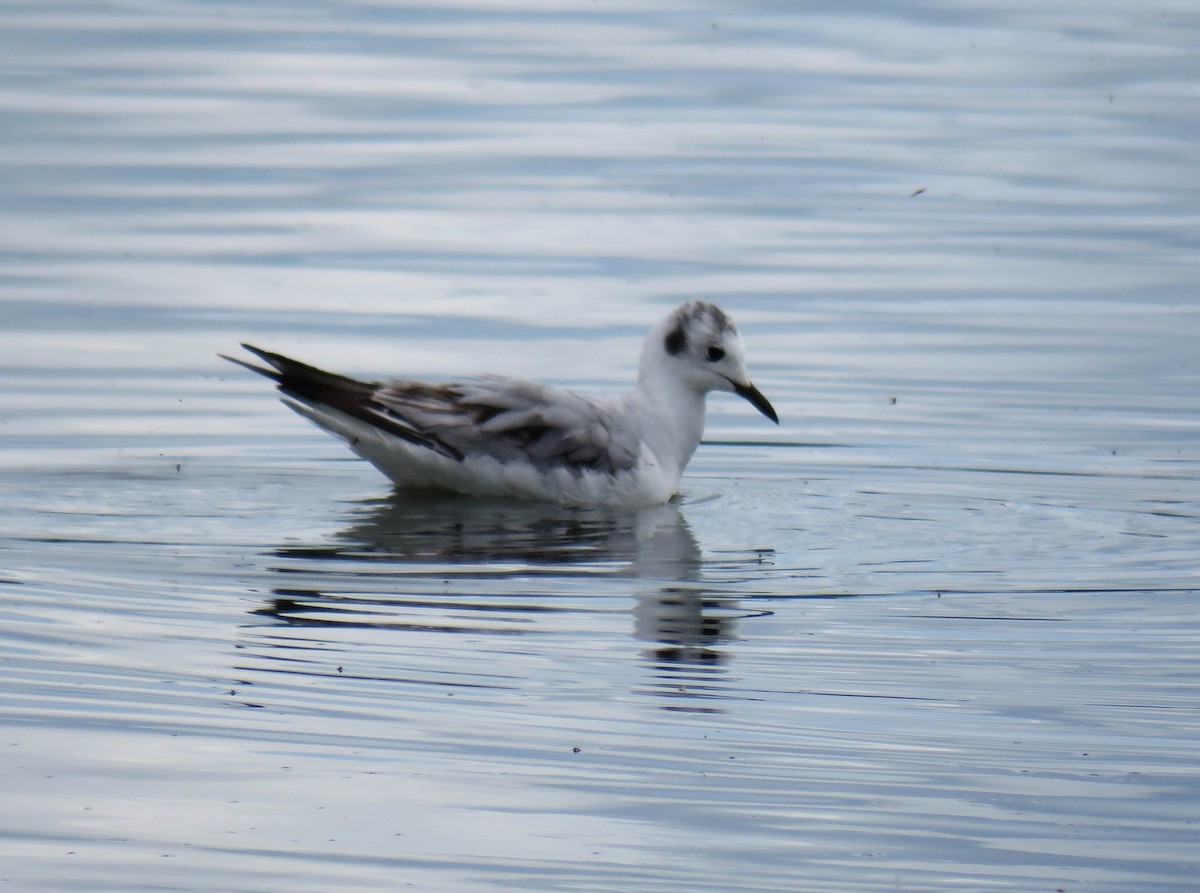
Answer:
(757, 400)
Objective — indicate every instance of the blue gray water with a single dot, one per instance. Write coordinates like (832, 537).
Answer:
(937, 631)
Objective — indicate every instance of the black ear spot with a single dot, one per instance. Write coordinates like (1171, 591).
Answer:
(675, 341)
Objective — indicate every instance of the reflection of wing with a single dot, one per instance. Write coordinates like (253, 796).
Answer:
(503, 418)
(474, 532)
(509, 419)
(654, 543)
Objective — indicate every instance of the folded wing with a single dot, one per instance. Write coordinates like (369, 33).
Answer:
(507, 419)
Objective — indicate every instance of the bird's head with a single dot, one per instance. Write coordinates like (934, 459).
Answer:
(698, 345)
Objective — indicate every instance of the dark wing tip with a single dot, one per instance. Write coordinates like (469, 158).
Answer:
(273, 358)
(305, 385)
(273, 374)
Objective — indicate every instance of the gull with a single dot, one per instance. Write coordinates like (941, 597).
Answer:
(495, 436)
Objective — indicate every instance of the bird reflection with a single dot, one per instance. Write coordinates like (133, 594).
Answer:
(686, 628)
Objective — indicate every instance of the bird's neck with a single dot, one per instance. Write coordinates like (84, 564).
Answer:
(674, 417)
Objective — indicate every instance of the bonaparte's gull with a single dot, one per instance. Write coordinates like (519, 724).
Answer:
(507, 437)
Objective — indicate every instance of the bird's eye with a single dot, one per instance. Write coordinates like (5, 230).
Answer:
(715, 353)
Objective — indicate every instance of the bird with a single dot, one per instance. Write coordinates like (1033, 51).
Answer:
(510, 438)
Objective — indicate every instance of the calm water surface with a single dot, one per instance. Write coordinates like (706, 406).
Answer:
(937, 631)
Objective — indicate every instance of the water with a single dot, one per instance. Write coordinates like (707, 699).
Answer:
(938, 631)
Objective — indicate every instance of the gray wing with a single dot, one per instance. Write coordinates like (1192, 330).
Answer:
(510, 419)
(505, 418)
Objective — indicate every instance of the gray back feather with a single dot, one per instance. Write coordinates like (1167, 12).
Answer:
(510, 419)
